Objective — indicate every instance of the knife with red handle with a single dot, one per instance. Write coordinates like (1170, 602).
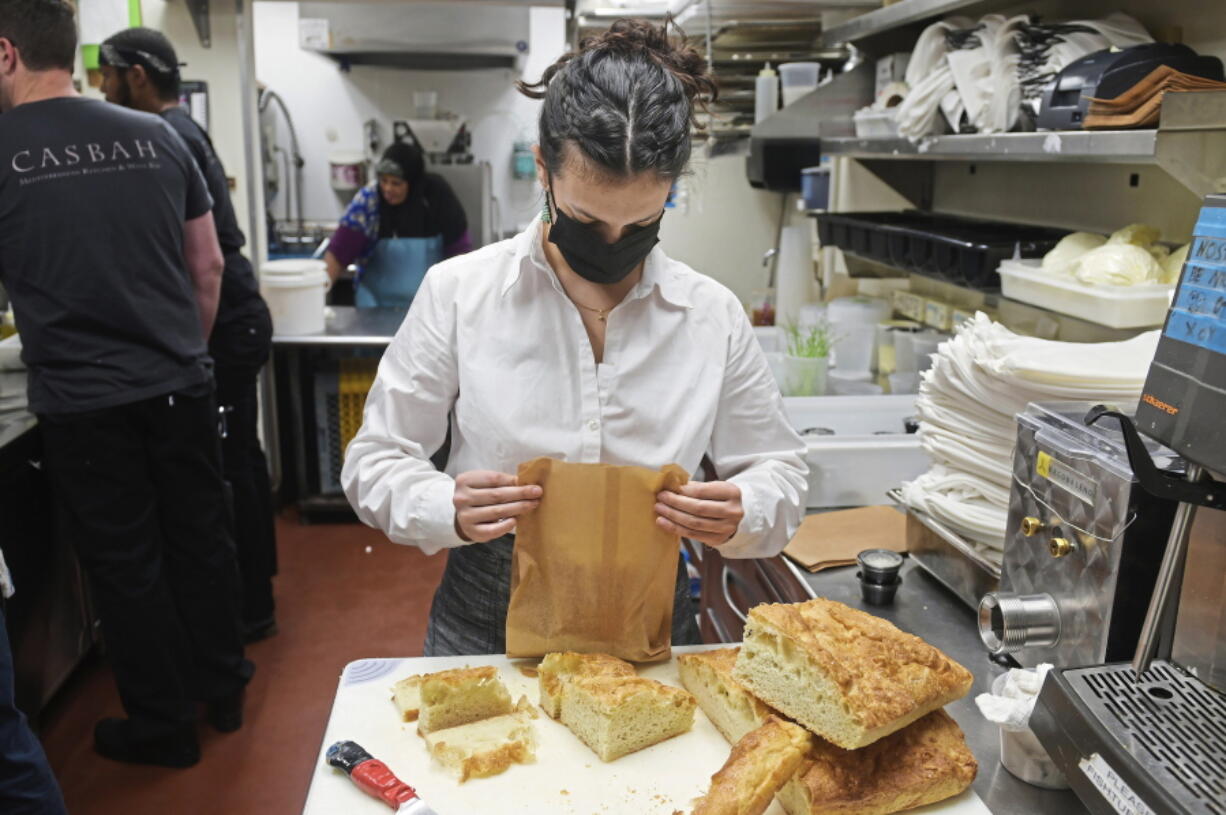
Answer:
(374, 778)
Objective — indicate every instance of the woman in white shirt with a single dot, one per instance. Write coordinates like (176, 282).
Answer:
(580, 340)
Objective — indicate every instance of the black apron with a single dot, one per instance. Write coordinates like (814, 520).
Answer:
(469, 612)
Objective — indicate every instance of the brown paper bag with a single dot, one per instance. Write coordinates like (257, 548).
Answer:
(591, 571)
(830, 539)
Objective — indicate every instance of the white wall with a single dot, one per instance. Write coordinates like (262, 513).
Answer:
(330, 106)
(725, 226)
(217, 65)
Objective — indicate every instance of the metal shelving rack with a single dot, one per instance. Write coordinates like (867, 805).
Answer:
(1189, 144)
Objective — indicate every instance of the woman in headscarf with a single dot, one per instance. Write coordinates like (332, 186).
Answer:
(396, 229)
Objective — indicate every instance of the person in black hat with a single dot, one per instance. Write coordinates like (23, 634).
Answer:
(140, 70)
(110, 256)
(398, 228)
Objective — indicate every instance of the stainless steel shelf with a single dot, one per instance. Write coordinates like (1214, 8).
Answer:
(1082, 146)
(904, 13)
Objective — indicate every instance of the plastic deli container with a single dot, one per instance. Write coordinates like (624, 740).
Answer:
(798, 79)
(295, 290)
(962, 250)
(857, 447)
(871, 123)
(815, 186)
(1142, 306)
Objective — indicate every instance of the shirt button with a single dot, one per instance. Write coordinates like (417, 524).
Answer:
(593, 425)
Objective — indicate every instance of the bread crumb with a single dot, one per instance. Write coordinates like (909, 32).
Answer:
(565, 792)
(529, 671)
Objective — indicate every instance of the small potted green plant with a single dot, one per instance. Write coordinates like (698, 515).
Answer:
(807, 358)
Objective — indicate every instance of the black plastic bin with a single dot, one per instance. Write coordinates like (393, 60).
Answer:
(962, 250)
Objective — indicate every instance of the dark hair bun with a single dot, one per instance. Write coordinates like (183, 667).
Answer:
(625, 99)
(631, 37)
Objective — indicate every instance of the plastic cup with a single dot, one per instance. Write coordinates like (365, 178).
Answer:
(804, 376)
(925, 345)
(904, 382)
(854, 345)
(798, 79)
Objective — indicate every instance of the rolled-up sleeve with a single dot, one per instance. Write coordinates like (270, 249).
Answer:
(388, 476)
(754, 447)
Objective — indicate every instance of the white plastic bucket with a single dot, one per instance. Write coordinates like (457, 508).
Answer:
(295, 290)
(348, 171)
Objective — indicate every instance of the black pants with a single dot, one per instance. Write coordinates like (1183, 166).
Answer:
(27, 786)
(469, 612)
(240, 349)
(141, 496)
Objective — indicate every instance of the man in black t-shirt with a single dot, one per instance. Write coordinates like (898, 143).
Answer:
(140, 70)
(109, 254)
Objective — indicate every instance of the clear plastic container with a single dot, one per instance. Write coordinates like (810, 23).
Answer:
(854, 345)
(804, 376)
(871, 123)
(904, 382)
(798, 79)
(924, 345)
(1143, 306)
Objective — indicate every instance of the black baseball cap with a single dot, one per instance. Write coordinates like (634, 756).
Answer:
(140, 46)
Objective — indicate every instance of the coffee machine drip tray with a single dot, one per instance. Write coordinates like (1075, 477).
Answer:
(1153, 744)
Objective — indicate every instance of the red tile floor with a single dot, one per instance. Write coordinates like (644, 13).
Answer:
(343, 593)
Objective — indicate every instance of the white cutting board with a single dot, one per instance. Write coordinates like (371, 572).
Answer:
(567, 777)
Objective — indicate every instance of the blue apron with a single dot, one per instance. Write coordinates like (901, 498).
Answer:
(395, 270)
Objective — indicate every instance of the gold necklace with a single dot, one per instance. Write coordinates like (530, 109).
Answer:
(601, 313)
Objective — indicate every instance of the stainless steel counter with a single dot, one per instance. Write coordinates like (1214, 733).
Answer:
(349, 326)
(928, 610)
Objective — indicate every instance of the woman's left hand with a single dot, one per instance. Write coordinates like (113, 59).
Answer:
(707, 511)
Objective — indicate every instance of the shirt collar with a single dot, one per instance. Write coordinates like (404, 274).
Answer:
(657, 271)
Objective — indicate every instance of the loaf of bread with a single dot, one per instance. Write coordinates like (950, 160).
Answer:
(616, 715)
(926, 762)
(759, 764)
(848, 676)
(486, 747)
(459, 696)
(406, 695)
(733, 710)
(557, 668)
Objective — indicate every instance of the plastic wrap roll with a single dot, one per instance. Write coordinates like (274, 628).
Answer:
(891, 95)
(794, 279)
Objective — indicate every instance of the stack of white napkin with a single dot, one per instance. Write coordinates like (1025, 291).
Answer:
(979, 381)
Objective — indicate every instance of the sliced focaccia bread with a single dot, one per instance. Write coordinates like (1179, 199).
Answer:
(733, 710)
(459, 696)
(925, 762)
(848, 676)
(759, 764)
(557, 668)
(486, 747)
(619, 715)
(406, 695)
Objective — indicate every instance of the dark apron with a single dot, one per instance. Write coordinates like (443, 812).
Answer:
(469, 613)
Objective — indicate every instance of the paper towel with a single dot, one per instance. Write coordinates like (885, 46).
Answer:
(795, 273)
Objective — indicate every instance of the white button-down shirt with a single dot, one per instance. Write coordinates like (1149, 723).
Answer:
(493, 342)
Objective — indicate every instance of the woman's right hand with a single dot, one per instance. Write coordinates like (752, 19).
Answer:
(487, 504)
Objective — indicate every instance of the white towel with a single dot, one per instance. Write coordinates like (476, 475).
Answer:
(979, 381)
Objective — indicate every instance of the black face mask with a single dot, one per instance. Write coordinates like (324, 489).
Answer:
(590, 256)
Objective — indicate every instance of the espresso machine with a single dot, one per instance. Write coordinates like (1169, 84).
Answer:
(1148, 736)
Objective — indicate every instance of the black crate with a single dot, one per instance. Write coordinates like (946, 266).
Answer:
(962, 250)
